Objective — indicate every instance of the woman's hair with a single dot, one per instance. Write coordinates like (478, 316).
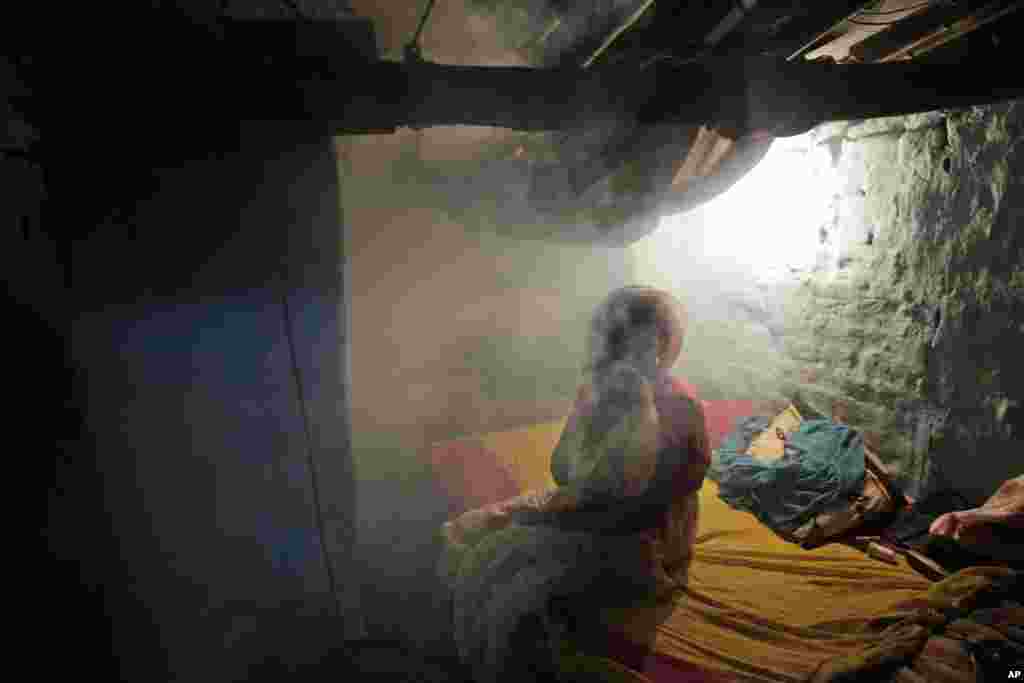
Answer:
(626, 328)
(623, 346)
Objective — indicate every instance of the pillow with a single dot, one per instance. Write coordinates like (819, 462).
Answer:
(875, 501)
(481, 470)
(526, 453)
(471, 474)
(722, 415)
(767, 446)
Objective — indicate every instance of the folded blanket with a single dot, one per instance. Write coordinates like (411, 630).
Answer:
(968, 629)
(821, 468)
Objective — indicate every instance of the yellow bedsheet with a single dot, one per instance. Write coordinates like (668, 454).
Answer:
(755, 605)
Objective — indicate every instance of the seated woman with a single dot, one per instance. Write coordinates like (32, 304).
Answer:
(635, 449)
(623, 515)
(636, 337)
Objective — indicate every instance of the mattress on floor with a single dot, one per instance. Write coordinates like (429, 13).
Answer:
(756, 607)
(761, 607)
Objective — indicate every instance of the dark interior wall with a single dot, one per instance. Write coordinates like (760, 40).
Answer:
(181, 504)
(200, 445)
(150, 285)
(200, 439)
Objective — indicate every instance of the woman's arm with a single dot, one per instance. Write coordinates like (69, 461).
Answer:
(700, 444)
(687, 447)
(679, 533)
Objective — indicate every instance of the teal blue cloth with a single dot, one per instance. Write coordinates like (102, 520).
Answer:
(821, 469)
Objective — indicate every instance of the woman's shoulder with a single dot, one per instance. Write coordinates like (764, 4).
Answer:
(678, 387)
(679, 407)
(675, 391)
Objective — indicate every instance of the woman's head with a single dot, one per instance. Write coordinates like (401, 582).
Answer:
(633, 333)
(640, 327)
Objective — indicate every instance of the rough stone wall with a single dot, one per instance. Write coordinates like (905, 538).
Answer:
(912, 325)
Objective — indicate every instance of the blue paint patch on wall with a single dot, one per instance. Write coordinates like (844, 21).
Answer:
(200, 439)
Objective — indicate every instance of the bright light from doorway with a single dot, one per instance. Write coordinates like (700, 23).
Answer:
(766, 224)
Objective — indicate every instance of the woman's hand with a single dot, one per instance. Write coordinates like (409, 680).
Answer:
(1004, 508)
(970, 528)
(946, 525)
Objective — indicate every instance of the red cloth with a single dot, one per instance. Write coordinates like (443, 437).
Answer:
(471, 475)
(663, 669)
(721, 417)
(680, 386)
(657, 667)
